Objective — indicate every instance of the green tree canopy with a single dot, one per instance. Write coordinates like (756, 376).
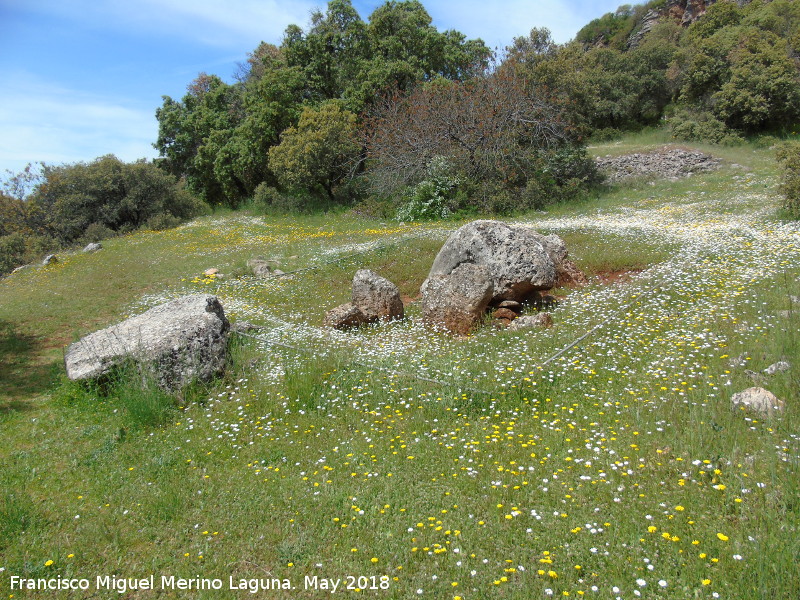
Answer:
(320, 151)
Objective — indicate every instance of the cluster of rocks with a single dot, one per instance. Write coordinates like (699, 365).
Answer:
(52, 259)
(483, 267)
(374, 298)
(668, 163)
(263, 269)
(177, 342)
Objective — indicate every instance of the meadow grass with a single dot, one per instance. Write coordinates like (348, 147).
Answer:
(618, 469)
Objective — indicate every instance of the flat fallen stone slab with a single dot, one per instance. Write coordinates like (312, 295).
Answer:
(182, 340)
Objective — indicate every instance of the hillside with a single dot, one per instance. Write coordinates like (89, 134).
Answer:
(616, 469)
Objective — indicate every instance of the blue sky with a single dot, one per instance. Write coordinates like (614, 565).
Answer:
(83, 78)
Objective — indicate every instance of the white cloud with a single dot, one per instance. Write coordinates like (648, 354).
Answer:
(41, 122)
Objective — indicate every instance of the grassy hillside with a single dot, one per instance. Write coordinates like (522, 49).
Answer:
(617, 469)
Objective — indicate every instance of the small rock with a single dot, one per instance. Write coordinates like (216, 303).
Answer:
(242, 326)
(50, 259)
(794, 299)
(505, 313)
(759, 400)
(778, 367)
(510, 304)
(738, 361)
(543, 320)
(209, 272)
(22, 268)
(786, 314)
(93, 247)
(757, 377)
(261, 268)
(569, 274)
(277, 273)
(345, 316)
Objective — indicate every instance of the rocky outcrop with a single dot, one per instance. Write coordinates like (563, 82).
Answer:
(457, 301)
(684, 12)
(179, 341)
(93, 247)
(667, 162)
(374, 298)
(377, 297)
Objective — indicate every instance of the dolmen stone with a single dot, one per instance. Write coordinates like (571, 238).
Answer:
(178, 342)
(374, 298)
(457, 301)
(377, 297)
(518, 263)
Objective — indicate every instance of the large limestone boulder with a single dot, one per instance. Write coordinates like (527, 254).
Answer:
(520, 261)
(517, 261)
(457, 300)
(181, 340)
(377, 297)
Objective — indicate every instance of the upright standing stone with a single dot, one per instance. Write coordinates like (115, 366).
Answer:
(377, 297)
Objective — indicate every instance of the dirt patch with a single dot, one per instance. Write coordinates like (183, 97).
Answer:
(618, 276)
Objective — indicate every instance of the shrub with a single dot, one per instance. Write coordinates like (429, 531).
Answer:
(703, 127)
(96, 232)
(789, 158)
(109, 193)
(18, 249)
(434, 197)
(162, 221)
(12, 252)
(606, 134)
(269, 200)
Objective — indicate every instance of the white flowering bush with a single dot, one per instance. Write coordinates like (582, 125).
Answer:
(433, 197)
